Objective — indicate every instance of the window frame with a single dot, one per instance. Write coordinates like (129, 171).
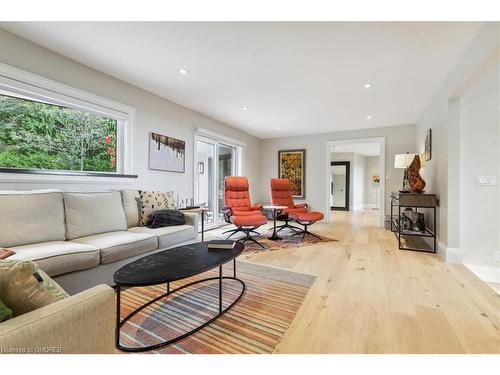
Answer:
(22, 83)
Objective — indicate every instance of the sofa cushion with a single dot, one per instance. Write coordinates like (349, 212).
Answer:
(92, 213)
(59, 257)
(24, 287)
(169, 236)
(152, 201)
(131, 205)
(31, 217)
(119, 245)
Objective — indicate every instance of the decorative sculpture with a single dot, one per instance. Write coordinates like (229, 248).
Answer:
(417, 183)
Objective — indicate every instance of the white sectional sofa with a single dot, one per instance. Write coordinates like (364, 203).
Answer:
(81, 239)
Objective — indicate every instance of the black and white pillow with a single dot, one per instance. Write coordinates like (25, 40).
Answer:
(152, 201)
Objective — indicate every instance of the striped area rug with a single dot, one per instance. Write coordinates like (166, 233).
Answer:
(255, 324)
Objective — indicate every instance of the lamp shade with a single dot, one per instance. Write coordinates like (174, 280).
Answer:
(403, 160)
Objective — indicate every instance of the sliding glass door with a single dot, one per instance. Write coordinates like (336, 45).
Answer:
(214, 161)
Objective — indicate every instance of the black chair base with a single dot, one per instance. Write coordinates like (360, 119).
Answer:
(247, 237)
(305, 233)
(288, 226)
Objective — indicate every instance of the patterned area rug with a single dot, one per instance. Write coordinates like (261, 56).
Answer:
(255, 324)
(287, 240)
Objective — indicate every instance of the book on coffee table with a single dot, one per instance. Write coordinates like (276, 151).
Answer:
(221, 245)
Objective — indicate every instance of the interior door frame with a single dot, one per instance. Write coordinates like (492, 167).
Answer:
(347, 184)
(327, 150)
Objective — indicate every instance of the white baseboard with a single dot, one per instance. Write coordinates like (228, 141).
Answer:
(451, 255)
(371, 205)
(488, 274)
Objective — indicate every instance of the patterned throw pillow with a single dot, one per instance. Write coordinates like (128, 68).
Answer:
(24, 287)
(152, 201)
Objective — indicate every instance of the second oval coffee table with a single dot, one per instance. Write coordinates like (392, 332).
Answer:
(171, 265)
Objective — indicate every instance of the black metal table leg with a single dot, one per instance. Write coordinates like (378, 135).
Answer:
(399, 227)
(202, 224)
(274, 236)
(220, 289)
(435, 231)
(234, 268)
(118, 312)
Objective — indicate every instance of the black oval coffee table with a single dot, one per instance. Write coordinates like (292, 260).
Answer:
(171, 265)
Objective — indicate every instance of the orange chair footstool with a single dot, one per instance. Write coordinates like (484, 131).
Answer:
(306, 219)
(247, 225)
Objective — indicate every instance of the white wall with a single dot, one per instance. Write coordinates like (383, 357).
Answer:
(398, 139)
(371, 189)
(466, 131)
(479, 156)
(358, 181)
(153, 114)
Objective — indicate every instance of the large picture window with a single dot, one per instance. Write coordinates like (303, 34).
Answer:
(47, 127)
(37, 135)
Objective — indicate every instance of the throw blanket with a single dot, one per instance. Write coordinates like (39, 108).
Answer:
(166, 218)
(5, 253)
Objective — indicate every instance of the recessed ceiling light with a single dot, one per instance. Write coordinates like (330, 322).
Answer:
(368, 117)
(276, 128)
(245, 108)
(367, 85)
(183, 71)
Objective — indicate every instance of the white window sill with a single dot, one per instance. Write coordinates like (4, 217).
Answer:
(70, 177)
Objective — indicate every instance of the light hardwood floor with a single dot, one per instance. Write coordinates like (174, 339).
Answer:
(370, 297)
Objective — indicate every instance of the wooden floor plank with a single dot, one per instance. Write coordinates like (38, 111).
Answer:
(370, 297)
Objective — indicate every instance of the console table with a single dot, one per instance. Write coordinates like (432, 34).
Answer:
(414, 201)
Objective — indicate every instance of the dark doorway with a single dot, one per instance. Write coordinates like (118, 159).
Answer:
(339, 185)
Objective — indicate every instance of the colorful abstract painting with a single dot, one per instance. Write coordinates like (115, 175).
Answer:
(292, 165)
(166, 153)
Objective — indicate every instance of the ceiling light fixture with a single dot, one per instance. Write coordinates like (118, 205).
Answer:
(183, 71)
(367, 85)
(245, 108)
(368, 117)
(276, 128)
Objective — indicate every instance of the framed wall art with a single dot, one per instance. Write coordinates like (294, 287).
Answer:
(166, 153)
(292, 165)
(428, 145)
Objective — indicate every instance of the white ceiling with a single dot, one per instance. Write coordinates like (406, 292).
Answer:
(365, 149)
(303, 77)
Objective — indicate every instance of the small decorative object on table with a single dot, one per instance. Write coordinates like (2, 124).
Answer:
(417, 183)
(419, 221)
(412, 181)
(221, 245)
(406, 222)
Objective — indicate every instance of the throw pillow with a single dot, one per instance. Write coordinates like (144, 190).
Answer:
(24, 287)
(152, 201)
(5, 312)
(166, 218)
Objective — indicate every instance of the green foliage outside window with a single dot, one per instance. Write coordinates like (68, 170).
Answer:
(45, 136)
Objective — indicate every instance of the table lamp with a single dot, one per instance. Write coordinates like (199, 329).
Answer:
(402, 161)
